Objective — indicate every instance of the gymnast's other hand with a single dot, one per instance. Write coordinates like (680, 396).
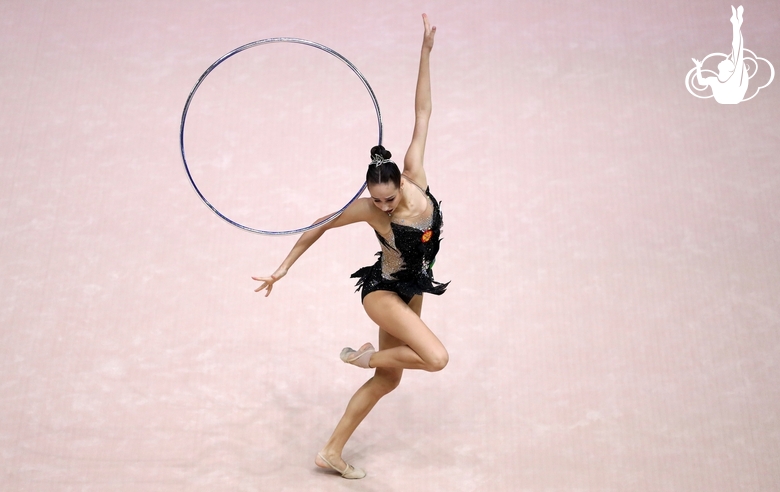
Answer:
(268, 282)
(430, 32)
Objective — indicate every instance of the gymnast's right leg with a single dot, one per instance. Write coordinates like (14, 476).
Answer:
(421, 349)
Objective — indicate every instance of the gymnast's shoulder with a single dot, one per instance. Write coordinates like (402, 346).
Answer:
(362, 210)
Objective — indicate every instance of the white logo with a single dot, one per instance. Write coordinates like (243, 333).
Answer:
(735, 70)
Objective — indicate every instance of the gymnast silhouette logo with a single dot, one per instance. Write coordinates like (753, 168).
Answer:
(730, 84)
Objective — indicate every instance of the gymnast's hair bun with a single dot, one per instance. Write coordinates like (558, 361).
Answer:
(382, 169)
(379, 150)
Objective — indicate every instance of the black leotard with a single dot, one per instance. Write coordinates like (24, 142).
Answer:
(408, 253)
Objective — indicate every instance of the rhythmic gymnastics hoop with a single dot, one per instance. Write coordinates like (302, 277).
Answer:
(214, 65)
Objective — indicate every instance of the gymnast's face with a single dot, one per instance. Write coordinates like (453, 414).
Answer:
(725, 69)
(385, 196)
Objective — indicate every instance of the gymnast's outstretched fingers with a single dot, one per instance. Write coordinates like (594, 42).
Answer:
(430, 32)
(268, 282)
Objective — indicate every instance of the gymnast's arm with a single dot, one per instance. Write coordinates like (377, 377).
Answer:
(701, 80)
(360, 210)
(413, 162)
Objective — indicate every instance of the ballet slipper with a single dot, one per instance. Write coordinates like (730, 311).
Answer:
(360, 358)
(349, 472)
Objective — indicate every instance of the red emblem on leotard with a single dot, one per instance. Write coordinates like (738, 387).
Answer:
(427, 236)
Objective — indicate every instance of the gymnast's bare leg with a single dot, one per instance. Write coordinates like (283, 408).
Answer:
(385, 380)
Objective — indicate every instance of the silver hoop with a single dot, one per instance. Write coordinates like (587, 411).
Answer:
(239, 50)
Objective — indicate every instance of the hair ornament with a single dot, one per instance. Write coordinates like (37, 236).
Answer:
(378, 160)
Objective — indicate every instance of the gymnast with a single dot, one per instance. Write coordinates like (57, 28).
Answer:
(731, 84)
(407, 222)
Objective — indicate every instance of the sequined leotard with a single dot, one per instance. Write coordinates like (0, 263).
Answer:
(408, 253)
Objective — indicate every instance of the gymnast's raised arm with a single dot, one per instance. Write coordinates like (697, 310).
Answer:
(413, 162)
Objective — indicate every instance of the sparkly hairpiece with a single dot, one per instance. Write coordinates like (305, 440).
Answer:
(378, 160)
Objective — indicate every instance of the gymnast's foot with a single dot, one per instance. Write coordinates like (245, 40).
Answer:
(360, 358)
(736, 15)
(333, 461)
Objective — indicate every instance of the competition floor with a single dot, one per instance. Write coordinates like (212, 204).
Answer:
(613, 243)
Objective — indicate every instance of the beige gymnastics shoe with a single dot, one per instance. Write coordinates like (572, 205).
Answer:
(349, 472)
(360, 358)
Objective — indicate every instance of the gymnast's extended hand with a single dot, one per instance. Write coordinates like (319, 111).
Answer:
(268, 282)
(430, 32)
(307, 239)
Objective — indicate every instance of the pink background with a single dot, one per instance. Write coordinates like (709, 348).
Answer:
(613, 244)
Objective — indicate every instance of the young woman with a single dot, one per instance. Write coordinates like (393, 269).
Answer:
(407, 221)
(731, 84)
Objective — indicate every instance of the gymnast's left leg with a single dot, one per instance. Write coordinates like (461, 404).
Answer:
(384, 381)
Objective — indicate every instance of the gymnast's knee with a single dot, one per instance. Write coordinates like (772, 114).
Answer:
(438, 361)
(386, 381)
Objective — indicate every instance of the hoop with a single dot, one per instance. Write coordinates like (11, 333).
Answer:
(214, 65)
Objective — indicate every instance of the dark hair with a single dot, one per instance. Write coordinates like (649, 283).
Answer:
(386, 171)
